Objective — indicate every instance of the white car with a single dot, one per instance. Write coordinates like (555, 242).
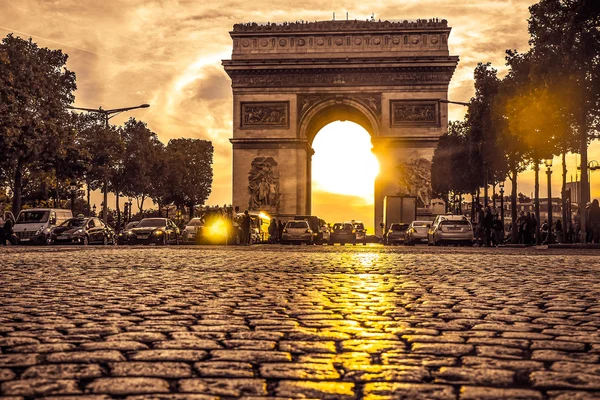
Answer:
(297, 231)
(193, 231)
(417, 232)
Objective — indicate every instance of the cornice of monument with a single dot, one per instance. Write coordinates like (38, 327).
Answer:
(333, 26)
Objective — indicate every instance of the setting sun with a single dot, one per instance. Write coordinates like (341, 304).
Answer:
(343, 162)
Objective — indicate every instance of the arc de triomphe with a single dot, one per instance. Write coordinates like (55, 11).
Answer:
(290, 80)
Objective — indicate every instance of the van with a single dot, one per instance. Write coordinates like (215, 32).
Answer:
(34, 225)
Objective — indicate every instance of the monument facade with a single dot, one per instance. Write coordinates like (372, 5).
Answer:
(290, 80)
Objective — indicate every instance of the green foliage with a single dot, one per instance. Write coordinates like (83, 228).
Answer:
(35, 88)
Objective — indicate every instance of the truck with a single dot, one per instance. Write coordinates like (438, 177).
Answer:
(400, 209)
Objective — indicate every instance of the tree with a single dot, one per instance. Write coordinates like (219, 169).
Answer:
(35, 88)
(143, 150)
(565, 42)
(189, 163)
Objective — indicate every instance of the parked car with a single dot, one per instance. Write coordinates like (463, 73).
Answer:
(154, 230)
(361, 232)
(193, 231)
(84, 231)
(417, 232)
(450, 229)
(396, 234)
(297, 232)
(315, 224)
(326, 232)
(122, 236)
(342, 233)
(34, 225)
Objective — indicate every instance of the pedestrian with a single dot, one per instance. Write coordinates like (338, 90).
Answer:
(545, 232)
(246, 228)
(7, 229)
(2, 238)
(480, 227)
(488, 224)
(280, 228)
(498, 231)
(522, 227)
(559, 231)
(273, 230)
(594, 218)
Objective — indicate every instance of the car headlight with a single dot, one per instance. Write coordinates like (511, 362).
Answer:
(78, 231)
(42, 230)
(157, 233)
(129, 233)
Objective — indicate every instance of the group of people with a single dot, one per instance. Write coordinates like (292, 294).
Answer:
(275, 231)
(489, 228)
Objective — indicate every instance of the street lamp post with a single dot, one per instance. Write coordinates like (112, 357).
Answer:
(73, 188)
(548, 163)
(107, 115)
(501, 184)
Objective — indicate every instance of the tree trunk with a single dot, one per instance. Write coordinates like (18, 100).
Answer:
(160, 206)
(485, 190)
(538, 239)
(141, 204)
(118, 208)
(105, 203)
(87, 186)
(566, 220)
(585, 185)
(494, 194)
(191, 205)
(17, 188)
(514, 229)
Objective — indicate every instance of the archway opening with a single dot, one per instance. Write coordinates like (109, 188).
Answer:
(343, 174)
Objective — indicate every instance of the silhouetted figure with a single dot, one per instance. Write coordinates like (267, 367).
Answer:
(246, 228)
(480, 226)
(7, 229)
(280, 230)
(488, 224)
(594, 218)
(498, 231)
(558, 228)
(273, 231)
(522, 225)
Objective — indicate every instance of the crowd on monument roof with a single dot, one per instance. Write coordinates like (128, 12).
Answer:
(301, 25)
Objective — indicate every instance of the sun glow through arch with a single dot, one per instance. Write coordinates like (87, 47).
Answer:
(343, 162)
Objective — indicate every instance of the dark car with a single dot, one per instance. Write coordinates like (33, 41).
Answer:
(342, 233)
(154, 230)
(396, 234)
(83, 231)
(122, 237)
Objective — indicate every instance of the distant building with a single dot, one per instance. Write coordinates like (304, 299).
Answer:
(575, 188)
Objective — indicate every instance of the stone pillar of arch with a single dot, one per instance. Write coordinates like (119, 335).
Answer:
(290, 80)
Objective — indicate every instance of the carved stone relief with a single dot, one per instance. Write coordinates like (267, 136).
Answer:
(318, 78)
(415, 180)
(307, 101)
(414, 113)
(263, 184)
(267, 115)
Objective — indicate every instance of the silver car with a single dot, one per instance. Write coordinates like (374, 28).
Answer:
(361, 232)
(450, 229)
(193, 231)
(297, 231)
(417, 232)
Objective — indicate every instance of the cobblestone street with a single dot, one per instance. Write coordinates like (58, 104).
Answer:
(299, 322)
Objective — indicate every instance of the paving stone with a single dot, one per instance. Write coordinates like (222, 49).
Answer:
(168, 355)
(397, 390)
(12, 341)
(372, 346)
(250, 356)
(151, 369)
(442, 349)
(43, 348)
(39, 387)
(6, 374)
(234, 387)
(79, 397)
(19, 360)
(303, 347)
(557, 345)
(120, 346)
(124, 386)
(492, 393)
(63, 371)
(246, 344)
(315, 389)
(474, 376)
(560, 380)
(224, 369)
(300, 371)
(97, 356)
(572, 395)
(555, 355)
(508, 364)
(386, 373)
(144, 337)
(198, 344)
(501, 352)
(186, 396)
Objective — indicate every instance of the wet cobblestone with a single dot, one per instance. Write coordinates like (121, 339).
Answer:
(368, 323)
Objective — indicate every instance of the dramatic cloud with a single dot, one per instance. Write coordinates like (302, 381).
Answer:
(168, 52)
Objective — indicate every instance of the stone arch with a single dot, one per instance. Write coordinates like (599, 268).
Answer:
(328, 111)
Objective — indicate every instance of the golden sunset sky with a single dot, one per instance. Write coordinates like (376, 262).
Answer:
(168, 53)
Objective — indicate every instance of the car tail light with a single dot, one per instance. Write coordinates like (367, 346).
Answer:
(285, 231)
